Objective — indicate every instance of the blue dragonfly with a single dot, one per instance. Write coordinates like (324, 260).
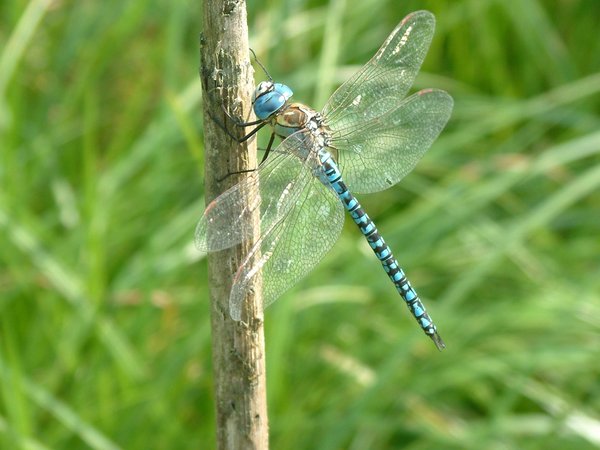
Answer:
(369, 132)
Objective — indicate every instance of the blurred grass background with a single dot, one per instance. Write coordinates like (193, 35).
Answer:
(104, 327)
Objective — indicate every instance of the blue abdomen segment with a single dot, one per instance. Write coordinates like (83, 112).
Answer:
(380, 248)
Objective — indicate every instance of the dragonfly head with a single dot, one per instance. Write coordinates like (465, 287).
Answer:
(269, 97)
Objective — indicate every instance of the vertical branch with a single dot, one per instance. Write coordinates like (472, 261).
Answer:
(238, 347)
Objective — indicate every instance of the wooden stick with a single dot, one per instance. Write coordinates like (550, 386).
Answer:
(238, 347)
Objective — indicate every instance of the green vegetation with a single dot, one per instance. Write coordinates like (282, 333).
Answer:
(104, 328)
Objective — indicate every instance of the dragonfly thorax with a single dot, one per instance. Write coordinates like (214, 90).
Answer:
(303, 124)
(292, 118)
(296, 117)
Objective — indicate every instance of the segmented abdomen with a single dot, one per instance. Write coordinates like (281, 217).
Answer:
(380, 248)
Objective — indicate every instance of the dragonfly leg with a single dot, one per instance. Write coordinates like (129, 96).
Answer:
(264, 158)
(268, 150)
(237, 172)
(238, 123)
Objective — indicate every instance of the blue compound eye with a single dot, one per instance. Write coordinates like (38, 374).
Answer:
(269, 98)
(262, 88)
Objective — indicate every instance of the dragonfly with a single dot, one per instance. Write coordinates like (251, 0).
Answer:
(366, 139)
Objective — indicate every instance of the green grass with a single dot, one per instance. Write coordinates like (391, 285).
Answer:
(104, 327)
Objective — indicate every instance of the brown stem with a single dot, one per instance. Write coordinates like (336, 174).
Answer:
(238, 347)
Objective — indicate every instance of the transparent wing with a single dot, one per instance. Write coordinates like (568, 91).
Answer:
(377, 154)
(380, 84)
(225, 220)
(300, 220)
(291, 246)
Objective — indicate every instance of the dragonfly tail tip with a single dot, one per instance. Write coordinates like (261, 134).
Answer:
(437, 340)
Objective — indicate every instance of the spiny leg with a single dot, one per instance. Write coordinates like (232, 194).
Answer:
(264, 158)
(237, 122)
(260, 123)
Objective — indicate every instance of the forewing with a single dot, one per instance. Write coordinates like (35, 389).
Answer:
(379, 85)
(293, 245)
(226, 220)
(377, 154)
